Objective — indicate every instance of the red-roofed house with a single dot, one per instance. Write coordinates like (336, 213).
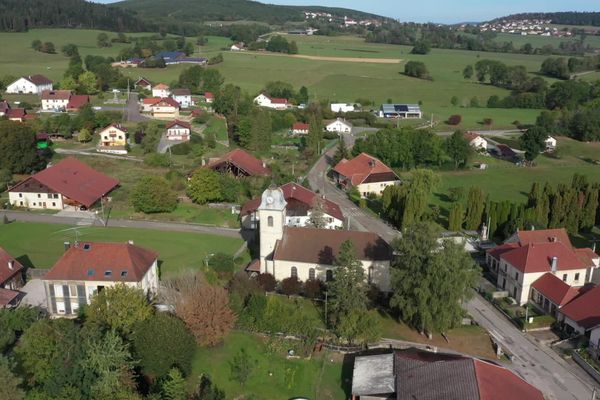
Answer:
(143, 83)
(209, 97)
(476, 141)
(77, 101)
(300, 202)
(4, 107)
(148, 102)
(239, 163)
(17, 114)
(113, 140)
(87, 268)
(68, 183)
(262, 100)
(179, 130)
(11, 279)
(165, 108)
(582, 315)
(529, 256)
(35, 84)
(300, 128)
(367, 173)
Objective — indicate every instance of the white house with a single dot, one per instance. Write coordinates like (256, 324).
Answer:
(342, 107)
(55, 100)
(161, 90)
(339, 125)
(87, 268)
(262, 100)
(300, 204)
(366, 173)
(209, 97)
(178, 130)
(309, 253)
(237, 47)
(34, 84)
(550, 143)
(183, 96)
(300, 128)
(475, 141)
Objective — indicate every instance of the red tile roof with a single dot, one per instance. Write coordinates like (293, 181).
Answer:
(497, 251)
(586, 255)
(181, 92)
(180, 123)
(56, 94)
(208, 95)
(6, 273)
(77, 101)
(151, 100)
(555, 289)
(6, 296)
(293, 191)
(143, 82)
(322, 246)
(167, 101)
(299, 126)
(544, 236)
(499, 383)
(75, 180)
(38, 80)
(242, 160)
(16, 113)
(361, 167)
(92, 262)
(470, 136)
(277, 100)
(538, 258)
(4, 106)
(584, 310)
(161, 86)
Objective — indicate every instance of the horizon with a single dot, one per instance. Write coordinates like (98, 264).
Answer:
(456, 12)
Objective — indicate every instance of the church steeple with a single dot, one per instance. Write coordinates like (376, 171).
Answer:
(271, 215)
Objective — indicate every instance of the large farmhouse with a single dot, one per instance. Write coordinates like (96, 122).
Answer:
(300, 204)
(367, 173)
(86, 268)
(309, 253)
(239, 163)
(68, 184)
(34, 84)
(262, 100)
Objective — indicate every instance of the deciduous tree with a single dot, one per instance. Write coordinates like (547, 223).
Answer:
(152, 194)
(204, 186)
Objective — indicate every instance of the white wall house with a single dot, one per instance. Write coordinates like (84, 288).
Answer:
(33, 84)
(178, 130)
(339, 125)
(161, 90)
(89, 267)
(550, 143)
(262, 100)
(55, 100)
(183, 97)
(342, 107)
(476, 141)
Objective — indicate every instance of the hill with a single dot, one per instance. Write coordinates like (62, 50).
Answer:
(231, 10)
(559, 18)
(21, 15)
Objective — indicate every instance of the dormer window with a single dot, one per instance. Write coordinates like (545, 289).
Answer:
(107, 273)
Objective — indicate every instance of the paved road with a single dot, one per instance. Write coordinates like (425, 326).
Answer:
(132, 113)
(535, 362)
(358, 219)
(94, 153)
(120, 223)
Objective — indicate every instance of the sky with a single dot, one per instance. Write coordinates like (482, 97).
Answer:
(446, 11)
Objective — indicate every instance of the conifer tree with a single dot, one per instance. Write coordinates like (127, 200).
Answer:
(456, 217)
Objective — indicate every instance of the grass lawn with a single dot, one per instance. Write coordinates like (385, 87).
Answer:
(40, 245)
(273, 376)
(216, 126)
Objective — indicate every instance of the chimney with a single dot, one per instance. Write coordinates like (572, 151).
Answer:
(264, 164)
(594, 247)
(203, 162)
(67, 245)
(11, 264)
(130, 242)
(532, 227)
(553, 239)
(554, 264)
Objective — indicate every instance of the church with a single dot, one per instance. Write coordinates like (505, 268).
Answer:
(309, 253)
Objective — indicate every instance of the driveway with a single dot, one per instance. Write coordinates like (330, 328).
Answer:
(535, 362)
(35, 294)
(132, 113)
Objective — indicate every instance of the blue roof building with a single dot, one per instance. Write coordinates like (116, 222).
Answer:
(400, 111)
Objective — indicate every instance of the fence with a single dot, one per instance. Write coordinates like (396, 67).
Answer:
(586, 366)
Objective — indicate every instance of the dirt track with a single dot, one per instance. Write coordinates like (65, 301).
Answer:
(323, 58)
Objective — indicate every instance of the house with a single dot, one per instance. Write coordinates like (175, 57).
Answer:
(342, 107)
(161, 90)
(403, 111)
(475, 141)
(143, 83)
(4, 107)
(550, 143)
(169, 57)
(521, 264)
(18, 115)
(365, 172)
(11, 279)
(209, 97)
(300, 203)
(87, 268)
(183, 96)
(309, 253)
(275, 103)
(179, 130)
(417, 374)
(339, 125)
(55, 100)
(581, 316)
(237, 47)
(67, 184)
(239, 163)
(113, 139)
(148, 102)
(504, 151)
(77, 101)
(300, 128)
(34, 84)
(166, 108)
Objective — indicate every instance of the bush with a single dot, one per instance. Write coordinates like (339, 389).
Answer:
(267, 282)
(157, 160)
(454, 120)
(222, 263)
(152, 194)
(202, 118)
(181, 149)
(291, 286)
(313, 288)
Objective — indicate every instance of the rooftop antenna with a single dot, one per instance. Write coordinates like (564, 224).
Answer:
(75, 230)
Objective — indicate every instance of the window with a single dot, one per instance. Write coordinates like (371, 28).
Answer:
(294, 272)
(73, 290)
(328, 275)
(39, 196)
(577, 276)
(20, 194)
(370, 277)
(87, 246)
(564, 277)
(107, 273)
(20, 203)
(311, 273)
(123, 274)
(270, 222)
(58, 290)
(516, 275)
(53, 204)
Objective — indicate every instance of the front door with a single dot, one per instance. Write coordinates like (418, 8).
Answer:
(503, 283)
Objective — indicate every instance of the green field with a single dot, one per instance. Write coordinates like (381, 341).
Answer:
(41, 245)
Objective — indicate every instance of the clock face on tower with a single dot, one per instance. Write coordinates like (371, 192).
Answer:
(269, 200)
